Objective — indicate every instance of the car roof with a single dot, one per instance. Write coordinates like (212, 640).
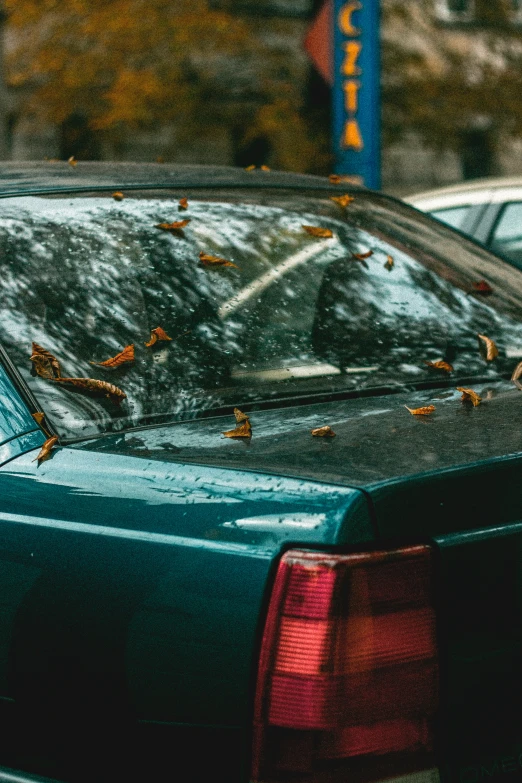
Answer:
(44, 177)
(469, 187)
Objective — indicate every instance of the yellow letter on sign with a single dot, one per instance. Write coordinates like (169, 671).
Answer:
(352, 138)
(353, 50)
(345, 19)
(351, 95)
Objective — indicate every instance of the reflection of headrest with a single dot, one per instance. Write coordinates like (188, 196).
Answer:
(343, 318)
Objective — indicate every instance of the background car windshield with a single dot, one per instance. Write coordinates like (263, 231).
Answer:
(292, 313)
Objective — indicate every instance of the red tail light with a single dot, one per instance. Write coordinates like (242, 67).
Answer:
(347, 681)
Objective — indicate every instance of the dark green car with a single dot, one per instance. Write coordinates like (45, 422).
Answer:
(260, 483)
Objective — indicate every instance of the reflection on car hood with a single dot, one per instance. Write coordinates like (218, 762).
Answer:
(377, 439)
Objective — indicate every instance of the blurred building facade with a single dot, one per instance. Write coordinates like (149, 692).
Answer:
(410, 162)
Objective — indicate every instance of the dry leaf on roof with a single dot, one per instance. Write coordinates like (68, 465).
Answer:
(94, 387)
(46, 449)
(183, 204)
(213, 261)
(343, 201)
(240, 416)
(118, 196)
(318, 231)
(389, 263)
(264, 168)
(440, 365)
(425, 411)
(488, 347)
(243, 430)
(157, 335)
(250, 168)
(127, 355)
(72, 161)
(323, 432)
(469, 396)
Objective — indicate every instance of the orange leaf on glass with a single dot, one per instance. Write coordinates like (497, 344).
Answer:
(362, 256)
(157, 335)
(45, 363)
(183, 204)
(440, 365)
(127, 355)
(72, 161)
(175, 227)
(389, 263)
(240, 416)
(250, 168)
(264, 168)
(482, 287)
(343, 201)
(208, 260)
(118, 196)
(488, 347)
(243, 430)
(46, 449)
(425, 411)
(38, 417)
(323, 432)
(318, 231)
(468, 395)
(94, 387)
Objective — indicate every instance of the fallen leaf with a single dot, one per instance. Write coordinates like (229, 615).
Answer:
(440, 365)
(482, 288)
(208, 260)
(244, 430)
(157, 335)
(425, 411)
(490, 348)
(38, 417)
(240, 416)
(183, 203)
(43, 360)
(46, 449)
(389, 263)
(176, 227)
(317, 231)
(93, 386)
(160, 159)
(468, 395)
(343, 201)
(118, 196)
(362, 256)
(127, 355)
(517, 372)
(323, 432)
(264, 168)
(250, 168)
(72, 161)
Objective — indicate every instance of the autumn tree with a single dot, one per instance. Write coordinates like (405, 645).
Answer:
(441, 81)
(142, 64)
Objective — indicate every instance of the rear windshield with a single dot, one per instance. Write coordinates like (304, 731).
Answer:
(306, 296)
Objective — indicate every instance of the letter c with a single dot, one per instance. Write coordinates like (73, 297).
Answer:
(345, 18)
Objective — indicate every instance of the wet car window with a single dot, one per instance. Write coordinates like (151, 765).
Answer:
(507, 234)
(293, 313)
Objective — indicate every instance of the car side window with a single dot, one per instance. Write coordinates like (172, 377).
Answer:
(506, 239)
(453, 216)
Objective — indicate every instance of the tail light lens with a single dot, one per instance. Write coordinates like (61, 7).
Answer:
(348, 680)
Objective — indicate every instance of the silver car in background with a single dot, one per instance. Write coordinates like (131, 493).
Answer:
(489, 210)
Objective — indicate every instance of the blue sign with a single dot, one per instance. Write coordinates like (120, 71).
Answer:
(356, 93)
